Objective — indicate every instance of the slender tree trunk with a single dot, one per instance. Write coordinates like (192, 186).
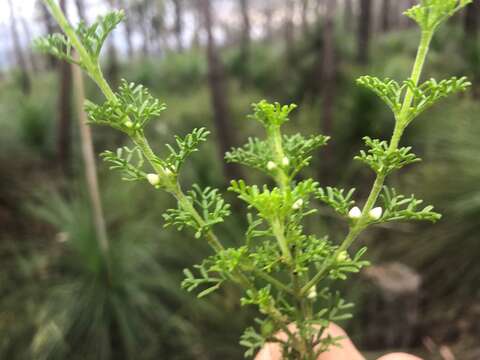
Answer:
(178, 27)
(329, 71)
(246, 29)
(81, 9)
(128, 29)
(305, 25)
(364, 31)
(64, 114)
(396, 16)
(20, 57)
(386, 12)
(142, 12)
(268, 25)
(289, 30)
(113, 67)
(218, 92)
(50, 29)
(348, 15)
(88, 154)
(472, 20)
(28, 36)
(472, 48)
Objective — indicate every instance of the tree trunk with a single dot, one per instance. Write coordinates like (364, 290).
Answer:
(64, 114)
(218, 93)
(128, 29)
(396, 16)
(178, 27)
(112, 67)
(28, 34)
(472, 20)
(88, 154)
(50, 29)
(472, 48)
(386, 11)
(364, 31)
(144, 27)
(305, 5)
(289, 31)
(267, 14)
(20, 57)
(348, 15)
(246, 29)
(81, 10)
(328, 77)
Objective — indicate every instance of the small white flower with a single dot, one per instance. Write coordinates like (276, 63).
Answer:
(312, 293)
(297, 204)
(271, 165)
(128, 124)
(62, 237)
(355, 213)
(168, 172)
(285, 161)
(153, 179)
(343, 256)
(376, 213)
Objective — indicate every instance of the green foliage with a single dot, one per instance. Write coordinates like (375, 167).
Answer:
(78, 306)
(129, 161)
(186, 146)
(281, 266)
(399, 207)
(211, 207)
(274, 204)
(431, 91)
(336, 199)
(272, 115)
(131, 109)
(91, 37)
(424, 95)
(431, 13)
(257, 153)
(214, 271)
(387, 89)
(57, 45)
(383, 160)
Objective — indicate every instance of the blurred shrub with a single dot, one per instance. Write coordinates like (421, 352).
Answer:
(64, 300)
(176, 72)
(36, 127)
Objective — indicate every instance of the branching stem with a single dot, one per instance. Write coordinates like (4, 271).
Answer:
(401, 122)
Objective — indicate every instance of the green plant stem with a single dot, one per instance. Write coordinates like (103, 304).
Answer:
(401, 122)
(64, 24)
(276, 138)
(270, 279)
(304, 310)
(186, 204)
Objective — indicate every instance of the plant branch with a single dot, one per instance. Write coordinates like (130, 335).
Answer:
(401, 122)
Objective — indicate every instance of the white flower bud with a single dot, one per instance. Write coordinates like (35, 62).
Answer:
(168, 172)
(312, 293)
(285, 161)
(297, 204)
(355, 213)
(62, 237)
(128, 124)
(376, 213)
(343, 256)
(271, 165)
(153, 179)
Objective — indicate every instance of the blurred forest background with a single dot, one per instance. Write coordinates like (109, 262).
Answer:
(209, 60)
